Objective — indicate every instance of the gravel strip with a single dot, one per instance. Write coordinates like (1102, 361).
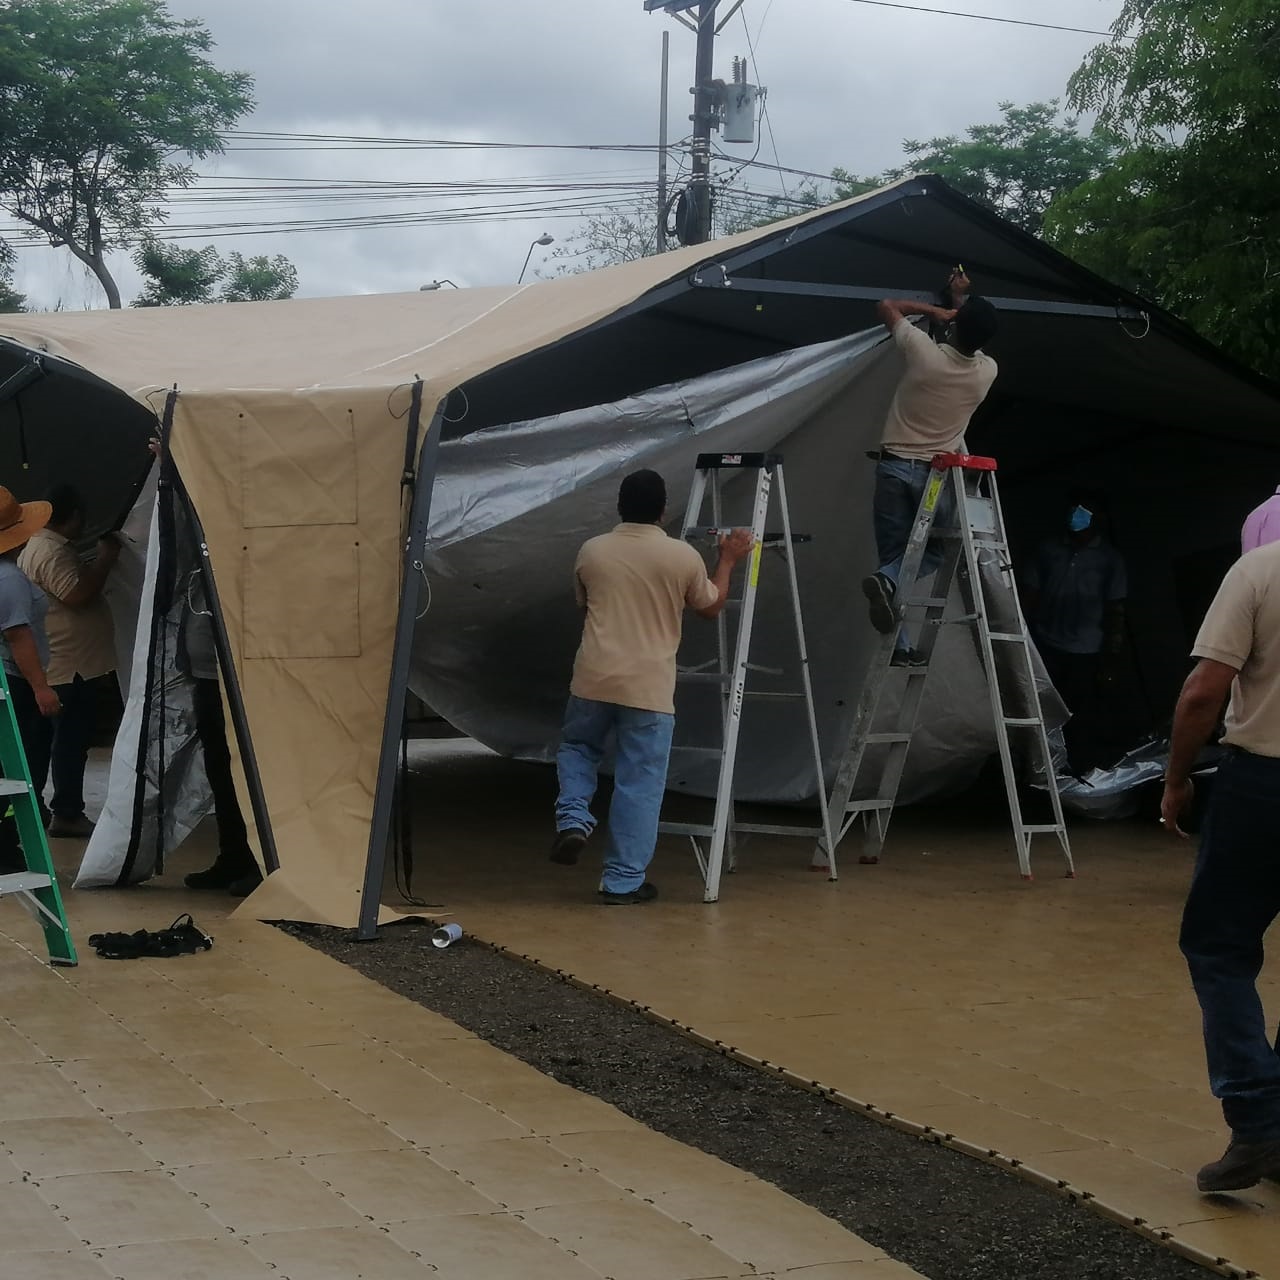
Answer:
(949, 1216)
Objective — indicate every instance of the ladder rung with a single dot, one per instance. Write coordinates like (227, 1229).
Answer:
(867, 806)
(1012, 637)
(1044, 829)
(685, 829)
(23, 882)
(881, 739)
(1022, 722)
(13, 787)
(926, 602)
(764, 694)
(764, 829)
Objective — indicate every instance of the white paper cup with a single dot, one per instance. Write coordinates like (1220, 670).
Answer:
(446, 935)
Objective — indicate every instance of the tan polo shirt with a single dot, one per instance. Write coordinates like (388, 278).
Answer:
(937, 395)
(1242, 630)
(635, 583)
(81, 641)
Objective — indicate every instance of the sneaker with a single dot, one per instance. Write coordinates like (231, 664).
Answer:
(214, 877)
(1243, 1164)
(77, 828)
(880, 592)
(908, 658)
(567, 845)
(243, 886)
(645, 893)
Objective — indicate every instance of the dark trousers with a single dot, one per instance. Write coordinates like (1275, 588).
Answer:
(1234, 897)
(234, 853)
(36, 732)
(72, 732)
(1075, 676)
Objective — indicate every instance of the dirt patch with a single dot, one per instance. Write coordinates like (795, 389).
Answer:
(946, 1215)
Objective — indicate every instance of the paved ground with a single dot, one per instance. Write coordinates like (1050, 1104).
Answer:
(1051, 1022)
(263, 1111)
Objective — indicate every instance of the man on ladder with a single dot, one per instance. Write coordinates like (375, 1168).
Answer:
(942, 386)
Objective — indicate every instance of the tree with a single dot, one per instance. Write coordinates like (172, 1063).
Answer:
(99, 102)
(1187, 215)
(1016, 166)
(181, 277)
(259, 279)
(609, 238)
(10, 299)
(174, 276)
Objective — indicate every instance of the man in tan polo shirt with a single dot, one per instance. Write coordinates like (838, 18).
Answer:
(634, 583)
(1235, 891)
(81, 648)
(941, 387)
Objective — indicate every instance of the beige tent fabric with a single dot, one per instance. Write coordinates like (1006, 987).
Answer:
(289, 433)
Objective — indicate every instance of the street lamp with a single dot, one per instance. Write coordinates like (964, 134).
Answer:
(434, 285)
(543, 240)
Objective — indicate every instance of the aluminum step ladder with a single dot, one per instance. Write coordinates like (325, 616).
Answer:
(730, 671)
(878, 755)
(36, 888)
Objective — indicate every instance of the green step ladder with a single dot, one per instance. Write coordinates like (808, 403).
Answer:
(36, 888)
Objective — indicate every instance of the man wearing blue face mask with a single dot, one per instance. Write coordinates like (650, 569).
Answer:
(1074, 591)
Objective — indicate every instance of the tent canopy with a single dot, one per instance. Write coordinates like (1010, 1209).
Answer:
(290, 434)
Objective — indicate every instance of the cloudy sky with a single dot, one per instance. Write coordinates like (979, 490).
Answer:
(848, 80)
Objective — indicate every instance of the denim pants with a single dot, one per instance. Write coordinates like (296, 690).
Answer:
(642, 741)
(900, 484)
(1234, 897)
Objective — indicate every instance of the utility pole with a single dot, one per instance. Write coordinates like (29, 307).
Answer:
(704, 115)
(662, 144)
(715, 105)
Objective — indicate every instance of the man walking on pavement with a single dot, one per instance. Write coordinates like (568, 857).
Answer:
(942, 386)
(1235, 891)
(81, 649)
(634, 583)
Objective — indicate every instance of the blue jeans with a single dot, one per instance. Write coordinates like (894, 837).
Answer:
(1235, 895)
(642, 742)
(900, 484)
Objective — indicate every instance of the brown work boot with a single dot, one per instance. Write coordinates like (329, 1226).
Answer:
(1243, 1164)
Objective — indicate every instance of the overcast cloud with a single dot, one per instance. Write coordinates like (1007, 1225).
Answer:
(847, 82)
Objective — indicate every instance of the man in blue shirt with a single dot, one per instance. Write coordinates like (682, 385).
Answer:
(24, 648)
(1074, 592)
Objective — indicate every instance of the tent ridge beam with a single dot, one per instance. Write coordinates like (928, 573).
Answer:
(715, 276)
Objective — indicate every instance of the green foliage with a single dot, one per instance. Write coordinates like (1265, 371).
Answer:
(10, 299)
(259, 279)
(100, 101)
(1016, 166)
(176, 276)
(1188, 214)
(180, 277)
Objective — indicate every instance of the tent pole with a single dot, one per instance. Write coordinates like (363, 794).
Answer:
(397, 686)
(231, 688)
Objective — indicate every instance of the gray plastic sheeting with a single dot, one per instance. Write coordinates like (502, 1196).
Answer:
(495, 645)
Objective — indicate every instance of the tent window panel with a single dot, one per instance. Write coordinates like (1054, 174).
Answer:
(302, 593)
(298, 467)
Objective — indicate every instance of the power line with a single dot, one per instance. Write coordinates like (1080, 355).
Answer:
(764, 106)
(985, 17)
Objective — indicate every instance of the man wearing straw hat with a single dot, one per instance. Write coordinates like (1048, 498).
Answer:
(24, 649)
